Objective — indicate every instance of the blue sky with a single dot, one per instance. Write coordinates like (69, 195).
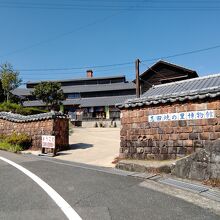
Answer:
(87, 35)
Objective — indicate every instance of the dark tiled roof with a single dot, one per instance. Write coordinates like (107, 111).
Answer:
(196, 88)
(104, 101)
(86, 102)
(21, 118)
(165, 63)
(22, 92)
(83, 88)
(37, 103)
(78, 79)
(72, 102)
(98, 87)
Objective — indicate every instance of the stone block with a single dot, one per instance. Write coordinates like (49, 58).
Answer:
(208, 128)
(181, 150)
(160, 131)
(178, 143)
(183, 136)
(140, 150)
(190, 150)
(199, 171)
(212, 105)
(155, 150)
(163, 150)
(168, 130)
(164, 137)
(197, 129)
(140, 113)
(187, 143)
(212, 121)
(162, 144)
(147, 150)
(201, 106)
(214, 135)
(193, 136)
(191, 107)
(155, 137)
(217, 128)
(197, 143)
(204, 136)
(182, 123)
(174, 137)
(172, 150)
(169, 143)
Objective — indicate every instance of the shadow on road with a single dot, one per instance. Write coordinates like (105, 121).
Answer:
(80, 146)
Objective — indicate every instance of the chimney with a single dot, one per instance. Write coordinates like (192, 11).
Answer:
(89, 73)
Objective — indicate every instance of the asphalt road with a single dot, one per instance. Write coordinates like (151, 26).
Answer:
(92, 194)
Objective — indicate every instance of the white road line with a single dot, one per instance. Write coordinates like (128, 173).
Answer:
(65, 207)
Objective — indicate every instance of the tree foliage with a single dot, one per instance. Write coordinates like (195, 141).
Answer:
(9, 79)
(2, 96)
(50, 93)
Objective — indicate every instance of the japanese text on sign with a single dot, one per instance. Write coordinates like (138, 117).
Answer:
(48, 141)
(182, 116)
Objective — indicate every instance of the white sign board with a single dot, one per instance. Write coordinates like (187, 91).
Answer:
(206, 114)
(48, 141)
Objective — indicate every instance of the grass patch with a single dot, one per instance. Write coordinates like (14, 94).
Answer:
(14, 142)
(9, 147)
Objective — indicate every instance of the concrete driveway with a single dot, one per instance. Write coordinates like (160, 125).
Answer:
(96, 146)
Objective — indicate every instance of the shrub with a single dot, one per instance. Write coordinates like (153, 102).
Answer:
(22, 140)
(31, 111)
(2, 137)
(9, 147)
(14, 142)
(19, 109)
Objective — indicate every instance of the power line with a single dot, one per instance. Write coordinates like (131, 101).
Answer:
(182, 54)
(83, 72)
(118, 5)
(62, 35)
(121, 64)
(214, 8)
(77, 68)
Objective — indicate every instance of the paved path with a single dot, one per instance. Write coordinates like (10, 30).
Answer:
(93, 193)
(96, 146)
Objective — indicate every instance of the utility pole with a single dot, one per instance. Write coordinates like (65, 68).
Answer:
(137, 78)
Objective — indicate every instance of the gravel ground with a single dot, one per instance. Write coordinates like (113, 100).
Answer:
(96, 146)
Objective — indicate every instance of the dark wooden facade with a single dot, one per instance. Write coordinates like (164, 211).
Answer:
(164, 72)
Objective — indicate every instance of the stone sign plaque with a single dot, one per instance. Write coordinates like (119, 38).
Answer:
(193, 115)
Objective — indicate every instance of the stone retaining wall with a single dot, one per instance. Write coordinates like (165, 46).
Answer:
(141, 139)
(202, 165)
(37, 125)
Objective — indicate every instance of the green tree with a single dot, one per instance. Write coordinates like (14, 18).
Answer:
(2, 97)
(50, 93)
(9, 78)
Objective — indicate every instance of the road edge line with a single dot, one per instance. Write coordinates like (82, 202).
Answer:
(70, 213)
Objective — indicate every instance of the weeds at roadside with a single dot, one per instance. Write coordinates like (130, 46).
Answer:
(14, 142)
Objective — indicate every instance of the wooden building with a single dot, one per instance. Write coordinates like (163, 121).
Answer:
(93, 99)
(164, 72)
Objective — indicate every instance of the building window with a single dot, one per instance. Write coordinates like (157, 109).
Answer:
(73, 96)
